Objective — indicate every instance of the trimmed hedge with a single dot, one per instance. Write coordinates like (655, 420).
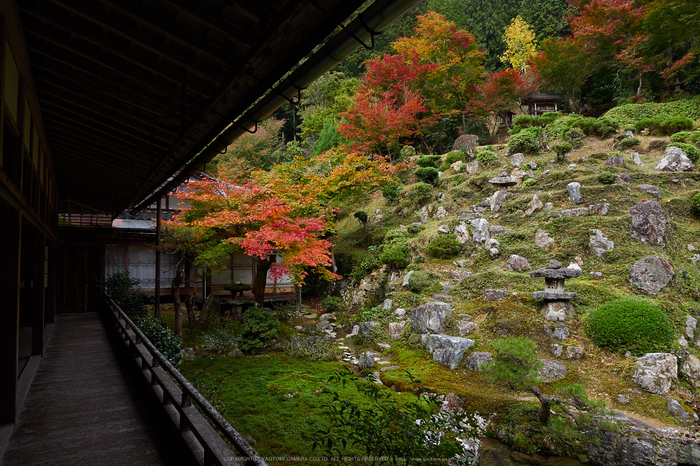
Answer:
(427, 175)
(443, 246)
(630, 325)
(526, 141)
(626, 115)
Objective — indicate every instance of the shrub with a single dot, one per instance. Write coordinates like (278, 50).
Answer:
(561, 149)
(630, 325)
(333, 304)
(675, 124)
(407, 152)
(574, 136)
(685, 136)
(420, 281)
(658, 144)
(162, 338)
(631, 113)
(421, 192)
(311, 348)
(429, 161)
(443, 246)
(690, 150)
(548, 118)
(626, 143)
(454, 156)
(652, 125)
(259, 327)
(605, 127)
(486, 156)
(413, 229)
(392, 193)
(695, 203)
(127, 293)
(397, 256)
(529, 182)
(526, 141)
(427, 175)
(606, 178)
(526, 121)
(395, 236)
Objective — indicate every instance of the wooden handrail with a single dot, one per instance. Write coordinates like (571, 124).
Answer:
(209, 448)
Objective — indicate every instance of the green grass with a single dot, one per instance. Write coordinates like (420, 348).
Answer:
(250, 393)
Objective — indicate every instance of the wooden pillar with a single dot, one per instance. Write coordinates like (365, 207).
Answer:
(10, 247)
(51, 293)
(38, 295)
(159, 213)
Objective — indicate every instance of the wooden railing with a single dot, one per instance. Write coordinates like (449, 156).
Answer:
(203, 432)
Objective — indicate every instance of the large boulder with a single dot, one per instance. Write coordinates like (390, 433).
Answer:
(534, 205)
(654, 372)
(674, 160)
(553, 370)
(651, 274)
(650, 224)
(430, 317)
(462, 233)
(448, 350)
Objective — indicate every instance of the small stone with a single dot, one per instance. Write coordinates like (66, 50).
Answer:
(366, 328)
(571, 167)
(574, 190)
(556, 349)
(517, 159)
(377, 217)
(400, 313)
(558, 331)
(476, 360)
(623, 399)
(497, 200)
(534, 205)
(406, 278)
(548, 206)
(599, 244)
(543, 241)
(465, 328)
(457, 166)
(462, 233)
(554, 264)
(495, 295)
(532, 165)
(366, 360)
(444, 229)
(636, 159)
(473, 167)
(690, 247)
(574, 352)
(622, 178)
(595, 274)
(395, 328)
(629, 134)
(559, 316)
(388, 305)
(430, 317)
(576, 212)
(462, 263)
(459, 275)
(492, 246)
(441, 213)
(653, 190)
(695, 258)
(389, 368)
(683, 342)
(615, 161)
(448, 350)
(676, 409)
(517, 263)
(553, 370)
(691, 324)
(691, 369)
(495, 230)
(599, 209)
(442, 297)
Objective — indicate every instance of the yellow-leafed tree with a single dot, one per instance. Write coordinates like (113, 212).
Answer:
(520, 44)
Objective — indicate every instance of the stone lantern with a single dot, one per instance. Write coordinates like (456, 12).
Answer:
(556, 303)
(503, 181)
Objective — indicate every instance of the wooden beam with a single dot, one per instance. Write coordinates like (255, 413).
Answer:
(130, 62)
(10, 247)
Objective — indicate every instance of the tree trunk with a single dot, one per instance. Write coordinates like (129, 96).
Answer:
(175, 287)
(545, 405)
(260, 279)
(189, 297)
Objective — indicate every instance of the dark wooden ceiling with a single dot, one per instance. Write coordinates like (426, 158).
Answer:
(130, 90)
